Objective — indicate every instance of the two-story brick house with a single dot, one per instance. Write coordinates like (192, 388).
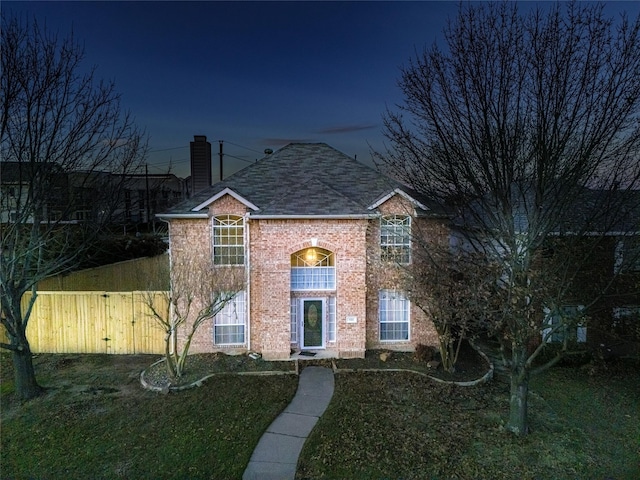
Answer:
(320, 238)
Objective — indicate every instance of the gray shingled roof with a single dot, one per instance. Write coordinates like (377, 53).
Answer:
(586, 210)
(305, 179)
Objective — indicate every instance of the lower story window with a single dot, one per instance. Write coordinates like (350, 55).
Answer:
(229, 324)
(626, 322)
(294, 320)
(565, 323)
(331, 319)
(393, 312)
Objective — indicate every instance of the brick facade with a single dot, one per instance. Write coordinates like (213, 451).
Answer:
(355, 244)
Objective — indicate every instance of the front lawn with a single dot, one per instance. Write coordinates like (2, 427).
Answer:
(402, 426)
(96, 422)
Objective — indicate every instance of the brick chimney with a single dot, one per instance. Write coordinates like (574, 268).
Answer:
(200, 163)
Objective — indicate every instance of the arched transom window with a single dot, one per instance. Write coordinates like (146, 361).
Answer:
(313, 269)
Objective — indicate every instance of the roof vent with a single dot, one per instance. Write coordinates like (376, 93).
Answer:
(268, 151)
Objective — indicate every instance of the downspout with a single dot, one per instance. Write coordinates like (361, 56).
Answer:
(172, 340)
(247, 242)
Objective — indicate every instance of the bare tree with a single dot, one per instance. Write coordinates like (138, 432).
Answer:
(528, 126)
(199, 291)
(438, 282)
(62, 136)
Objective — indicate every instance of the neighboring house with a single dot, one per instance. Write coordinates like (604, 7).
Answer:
(42, 189)
(145, 195)
(604, 296)
(320, 237)
(16, 204)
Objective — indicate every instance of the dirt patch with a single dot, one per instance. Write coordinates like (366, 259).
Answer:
(78, 376)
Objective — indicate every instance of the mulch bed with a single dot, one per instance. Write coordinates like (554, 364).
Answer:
(469, 367)
(200, 365)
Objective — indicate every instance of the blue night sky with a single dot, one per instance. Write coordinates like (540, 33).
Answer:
(254, 74)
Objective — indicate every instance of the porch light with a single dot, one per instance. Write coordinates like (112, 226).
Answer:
(311, 257)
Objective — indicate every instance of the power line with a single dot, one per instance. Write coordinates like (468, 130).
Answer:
(241, 146)
(168, 162)
(187, 146)
(238, 158)
(167, 149)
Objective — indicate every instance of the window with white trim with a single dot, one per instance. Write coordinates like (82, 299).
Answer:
(565, 322)
(313, 269)
(627, 255)
(393, 314)
(626, 321)
(331, 319)
(228, 240)
(230, 322)
(395, 238)
(294, 320)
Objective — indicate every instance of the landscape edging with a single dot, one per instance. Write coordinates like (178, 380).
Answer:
(168, 388)
(198, 383)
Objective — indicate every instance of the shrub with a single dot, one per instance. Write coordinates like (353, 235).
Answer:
(425, 353)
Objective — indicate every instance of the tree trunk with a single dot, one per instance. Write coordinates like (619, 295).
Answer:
(25, 377)
(169, 356)
(183, 355)
(518, 411)
(26, 385)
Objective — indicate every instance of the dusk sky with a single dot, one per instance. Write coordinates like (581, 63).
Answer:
(254, 74)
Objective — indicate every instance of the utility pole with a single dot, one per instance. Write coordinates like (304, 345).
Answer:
(146, 181)
(221, 155)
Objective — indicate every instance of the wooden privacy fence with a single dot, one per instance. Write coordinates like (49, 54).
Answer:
(148, 273)
(94, 322)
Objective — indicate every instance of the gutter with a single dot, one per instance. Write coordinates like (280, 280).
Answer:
(355, 216)
(173, 333)
(247, 242)
(171, 216)
(315, 217)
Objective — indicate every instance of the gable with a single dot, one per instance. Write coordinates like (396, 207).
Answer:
(398, 201)
(220, 195)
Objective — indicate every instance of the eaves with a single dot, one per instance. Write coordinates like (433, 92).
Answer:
(314, 217)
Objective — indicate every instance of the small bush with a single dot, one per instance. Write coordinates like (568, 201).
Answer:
(425, 353)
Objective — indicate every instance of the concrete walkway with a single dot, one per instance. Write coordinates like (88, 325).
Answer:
(277, 452)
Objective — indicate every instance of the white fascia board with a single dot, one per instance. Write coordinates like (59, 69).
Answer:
(404, 195)
(312, 217)
(169, 216)
(596, 234)
(226, 191)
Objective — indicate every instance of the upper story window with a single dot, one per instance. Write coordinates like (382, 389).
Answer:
(395, 238)
(627, 255)
(228, 240)
(313, 269)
